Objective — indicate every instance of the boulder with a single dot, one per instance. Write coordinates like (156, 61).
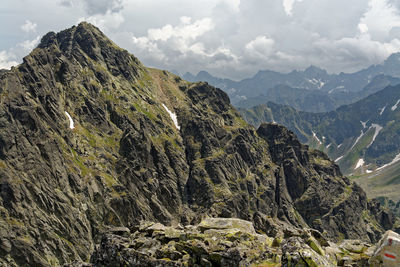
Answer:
(387, 252)
(227, 224)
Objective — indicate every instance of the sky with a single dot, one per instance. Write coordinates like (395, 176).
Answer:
(228, 38)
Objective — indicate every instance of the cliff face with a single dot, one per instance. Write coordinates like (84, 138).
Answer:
(88, 141)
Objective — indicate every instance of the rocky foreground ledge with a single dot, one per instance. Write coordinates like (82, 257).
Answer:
(231, 242)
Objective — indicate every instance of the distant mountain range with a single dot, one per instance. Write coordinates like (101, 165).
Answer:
(312, 90)
(363, 137)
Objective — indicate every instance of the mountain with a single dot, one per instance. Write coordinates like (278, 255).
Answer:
(363, 138)
(317, 100)
(299, 88)
(92, 141)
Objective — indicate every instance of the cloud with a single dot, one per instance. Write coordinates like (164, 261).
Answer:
(381, 17)
(230, 38)
(29, 45)
(363, 27)
(262, 46)
(94, 7)
(106, 22)
(6, 60)
(66, 3)
(185, 45)
(288, 6)
(13, 56)
(175, 40)
(29, 26)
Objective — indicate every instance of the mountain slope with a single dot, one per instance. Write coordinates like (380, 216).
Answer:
(367, 129)
(91, 139)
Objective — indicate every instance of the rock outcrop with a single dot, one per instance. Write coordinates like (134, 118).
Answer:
(125, 160)
(387, 251)
(233, 244)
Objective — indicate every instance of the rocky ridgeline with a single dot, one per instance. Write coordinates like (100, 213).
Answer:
(223, 242)
(92, 139)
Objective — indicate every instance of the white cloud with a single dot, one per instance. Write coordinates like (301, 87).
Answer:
(107, 22)
(363, 27)
(29, 26)
(288, 6)
(28, 45)
(179, 39)
(186, 31)
(6, 60)
(380, 18)
(260, 46)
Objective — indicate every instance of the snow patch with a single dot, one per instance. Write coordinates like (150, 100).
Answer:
(339, 145)
(71, 122)
(378, 128)
(339, 158)
(382, 110)
(395, 105)
(328, 146)
(364, 124)
(360, 163)
(173, 117)
(396, 159)
(368, 171)
(339, 87)
(316, 137)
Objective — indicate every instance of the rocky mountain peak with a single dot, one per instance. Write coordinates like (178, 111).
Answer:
(315, 71)
(85, 35)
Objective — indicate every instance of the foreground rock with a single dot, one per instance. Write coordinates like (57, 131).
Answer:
(387, 251)
(153, 244)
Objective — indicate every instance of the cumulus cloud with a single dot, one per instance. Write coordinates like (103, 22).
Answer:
(262, 46)
(29, 26)
(171, 41)
(7, 60)
(28, 45)
(230, 38)
(108, 21)
(381, 17)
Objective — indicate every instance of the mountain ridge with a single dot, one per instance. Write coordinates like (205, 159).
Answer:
(147, 145)
(328, 90)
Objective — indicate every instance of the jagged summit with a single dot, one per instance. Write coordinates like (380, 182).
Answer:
(84, 45)
(90, 139)
(85, 34)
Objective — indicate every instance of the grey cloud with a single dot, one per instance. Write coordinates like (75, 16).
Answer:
(94, 7)
(324, 33)
(66, 3)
